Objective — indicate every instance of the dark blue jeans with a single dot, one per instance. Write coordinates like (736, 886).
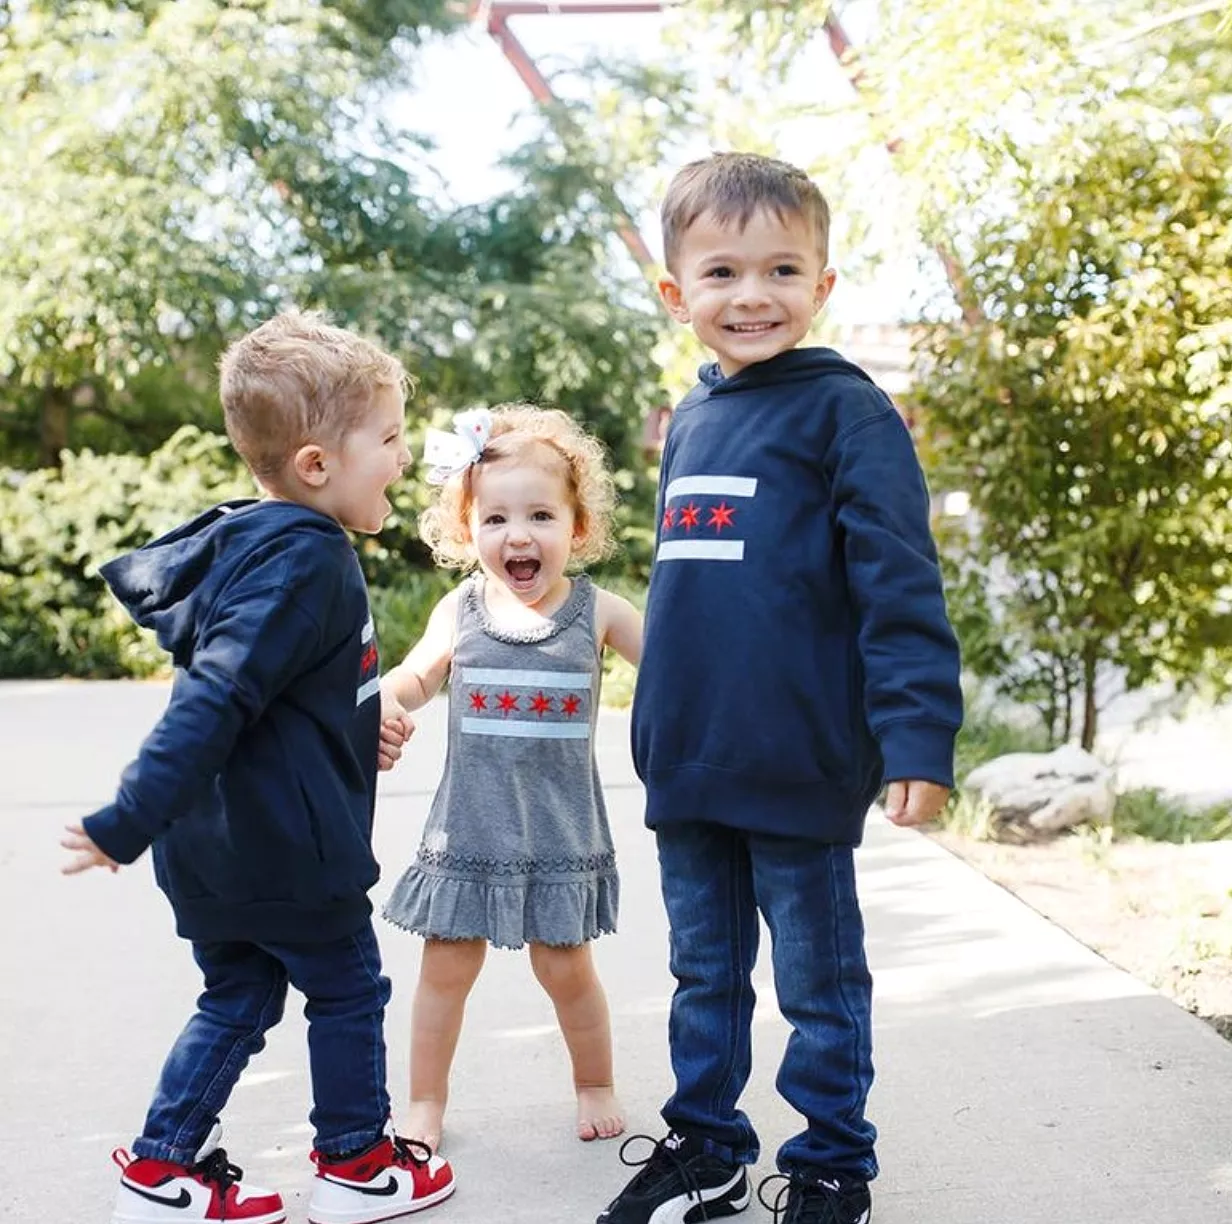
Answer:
(245, 989)
(715, 880)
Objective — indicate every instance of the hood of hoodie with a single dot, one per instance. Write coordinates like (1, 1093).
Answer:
(794, 365)
(169, 584)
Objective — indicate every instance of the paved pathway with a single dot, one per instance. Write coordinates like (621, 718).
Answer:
(1022, 1079)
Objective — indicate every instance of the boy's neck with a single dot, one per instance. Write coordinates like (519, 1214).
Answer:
(283, 491)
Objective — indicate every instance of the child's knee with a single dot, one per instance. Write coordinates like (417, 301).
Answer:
(451, 966)
(563, 972)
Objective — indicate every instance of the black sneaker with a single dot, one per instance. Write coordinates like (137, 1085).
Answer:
(678, 1183)
(836, 1199)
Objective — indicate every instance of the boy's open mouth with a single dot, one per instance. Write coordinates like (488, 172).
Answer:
(522, 571)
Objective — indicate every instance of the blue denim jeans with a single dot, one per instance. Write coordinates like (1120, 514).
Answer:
(245, 990)
(715, 880)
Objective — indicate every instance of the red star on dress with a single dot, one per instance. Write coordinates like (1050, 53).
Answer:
(689, 515)
(720, 516)
(669, 517)
(569, 705)
(507, 701)
(541, 704)
(478, 701)
(370, 658)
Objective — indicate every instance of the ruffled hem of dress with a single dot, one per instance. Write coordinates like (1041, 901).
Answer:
(561, 914)
(561, 619)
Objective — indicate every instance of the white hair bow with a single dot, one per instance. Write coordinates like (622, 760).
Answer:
(451, 453)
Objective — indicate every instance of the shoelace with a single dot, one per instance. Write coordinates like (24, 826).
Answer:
(662, 1160)
(218, 1169)
(821, 1203)
(405, 1151)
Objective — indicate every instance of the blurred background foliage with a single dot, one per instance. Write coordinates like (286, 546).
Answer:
(172, 173)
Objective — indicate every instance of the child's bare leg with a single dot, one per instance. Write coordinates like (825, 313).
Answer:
(568, 975)
(446, 974)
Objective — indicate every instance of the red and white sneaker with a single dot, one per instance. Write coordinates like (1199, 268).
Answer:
(159, 1192)
(393, 1178)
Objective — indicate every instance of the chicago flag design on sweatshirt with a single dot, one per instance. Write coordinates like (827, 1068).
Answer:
(702, 518)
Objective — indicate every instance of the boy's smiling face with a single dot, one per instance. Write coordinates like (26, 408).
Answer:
(749, 293)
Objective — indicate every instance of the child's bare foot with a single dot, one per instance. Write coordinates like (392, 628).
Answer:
(424, 1122)
(599, 1114)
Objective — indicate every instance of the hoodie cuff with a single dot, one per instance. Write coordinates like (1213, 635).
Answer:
(918, 752)
(116, 837)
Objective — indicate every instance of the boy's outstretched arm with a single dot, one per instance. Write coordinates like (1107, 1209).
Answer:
(258, 640)
(912, 693)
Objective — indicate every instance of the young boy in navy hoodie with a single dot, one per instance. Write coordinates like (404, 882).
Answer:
(797, 654)
(256, 788)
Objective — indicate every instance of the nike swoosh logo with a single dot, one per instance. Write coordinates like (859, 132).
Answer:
(183, 1199)
(390, 1187)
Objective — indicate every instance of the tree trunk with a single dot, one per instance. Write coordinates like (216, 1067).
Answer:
(54, 415)
(1090, 711)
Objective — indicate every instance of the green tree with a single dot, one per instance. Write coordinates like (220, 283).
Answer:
(1088, 418)
(142, 218)
(950, 100)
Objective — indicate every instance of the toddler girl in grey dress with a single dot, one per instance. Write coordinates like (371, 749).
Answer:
(516, 849)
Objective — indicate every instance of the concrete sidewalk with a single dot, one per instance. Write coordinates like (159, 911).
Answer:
(1021, 1079)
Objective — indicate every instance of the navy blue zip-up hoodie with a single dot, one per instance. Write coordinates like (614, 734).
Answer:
(257, 786)
(797, 648)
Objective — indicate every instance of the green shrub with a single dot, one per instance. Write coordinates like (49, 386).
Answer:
(56, 527)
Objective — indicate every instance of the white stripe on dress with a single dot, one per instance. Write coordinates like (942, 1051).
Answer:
(701, 550)
(520, 729)
(368, 630)
(516, 677)
(370, 689)
(716, 486)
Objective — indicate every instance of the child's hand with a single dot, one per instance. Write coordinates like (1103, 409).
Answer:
(914, 803)
(85, 853)
(395, 731)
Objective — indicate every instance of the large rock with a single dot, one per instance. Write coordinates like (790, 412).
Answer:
(1034, 795)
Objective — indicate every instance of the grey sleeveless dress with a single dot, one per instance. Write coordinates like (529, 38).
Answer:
(517, 847)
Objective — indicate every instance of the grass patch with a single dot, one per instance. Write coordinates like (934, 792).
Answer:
(1153, 816)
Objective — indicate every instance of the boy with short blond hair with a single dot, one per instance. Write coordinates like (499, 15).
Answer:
(256, 788)
(797, 654)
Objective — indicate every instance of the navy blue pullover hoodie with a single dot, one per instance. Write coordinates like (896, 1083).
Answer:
(256, 788)
(797, 648)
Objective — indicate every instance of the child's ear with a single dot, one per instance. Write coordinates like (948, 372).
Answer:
(673, 299)
(823, 288)
(309, 465)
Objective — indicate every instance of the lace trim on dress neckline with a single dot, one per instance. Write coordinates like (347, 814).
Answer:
(561, 619)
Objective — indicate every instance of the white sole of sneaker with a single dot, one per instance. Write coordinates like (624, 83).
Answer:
(677, 1211)
(124, 1217)
(319, 1216)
